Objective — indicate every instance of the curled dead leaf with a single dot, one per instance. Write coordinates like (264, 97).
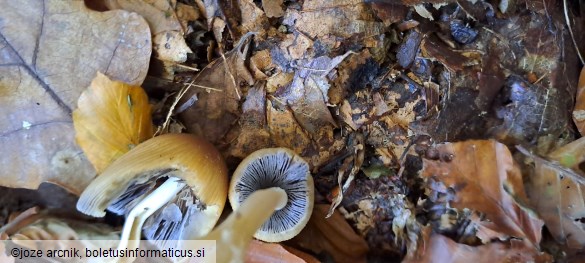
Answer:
(579, 110)
(556, 190)
(485, 178)
(112, 117)
(37, 224)
(432, 247)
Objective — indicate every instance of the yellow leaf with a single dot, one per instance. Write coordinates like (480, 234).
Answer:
(112, 117)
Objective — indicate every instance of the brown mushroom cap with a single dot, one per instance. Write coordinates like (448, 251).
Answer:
(276, 167)
(184, 156)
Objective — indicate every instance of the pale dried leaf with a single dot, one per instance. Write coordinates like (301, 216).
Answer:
(186, 14)
(273, 8)
(112, 118)
(253, 18)
(167, 31)
(485, 178)
(170, 46)
(160, 14)
(49, 53)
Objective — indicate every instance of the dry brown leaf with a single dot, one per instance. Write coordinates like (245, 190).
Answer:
(238, 16)
(37, 224)
(333, 235)
(49, 53)
(251, 134)
(273, 8)
(160, 14)
(284, 129)
(342, 18)
(218, 107)
(434, 247)
(166, 29)
(112, 117)
(60, 228)
(261, 64)
(307, 94)
(579, 110)
(296, 46)
(558, 193)
(260, 252)
(253, 18)
(484, 177)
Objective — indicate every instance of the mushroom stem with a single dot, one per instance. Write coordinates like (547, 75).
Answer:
(235, 233)
(146, 207)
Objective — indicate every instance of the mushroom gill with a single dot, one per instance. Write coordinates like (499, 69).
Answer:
(280, 168)
(192, 168)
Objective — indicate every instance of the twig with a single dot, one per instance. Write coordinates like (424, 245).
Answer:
(567, 20)
(203, 87)
(172, 108)
(187, 67)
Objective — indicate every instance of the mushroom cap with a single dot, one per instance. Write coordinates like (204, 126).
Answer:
(185, 156)
(276, 167)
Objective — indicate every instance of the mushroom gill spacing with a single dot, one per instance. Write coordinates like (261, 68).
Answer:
(194, 163)
(284, 169)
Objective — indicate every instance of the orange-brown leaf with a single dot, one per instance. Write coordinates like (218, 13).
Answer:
(332, 235)
(557, 193)
(438, 248)
(485, 178)
(259, 251)
(112, 117)
(579, 110)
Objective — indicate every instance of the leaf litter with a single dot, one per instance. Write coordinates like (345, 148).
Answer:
(396, 106)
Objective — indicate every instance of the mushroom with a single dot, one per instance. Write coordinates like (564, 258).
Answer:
(179, 179)
(235, 233)
(284, 173)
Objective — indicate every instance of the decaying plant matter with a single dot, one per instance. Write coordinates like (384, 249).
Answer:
(394, 129)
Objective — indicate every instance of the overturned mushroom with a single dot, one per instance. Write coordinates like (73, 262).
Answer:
(178, 178)
(276, 169)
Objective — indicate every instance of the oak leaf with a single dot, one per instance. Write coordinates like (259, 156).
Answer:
(50, 50)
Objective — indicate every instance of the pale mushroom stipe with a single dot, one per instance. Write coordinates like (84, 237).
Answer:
(186, 206)
(284, 176)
